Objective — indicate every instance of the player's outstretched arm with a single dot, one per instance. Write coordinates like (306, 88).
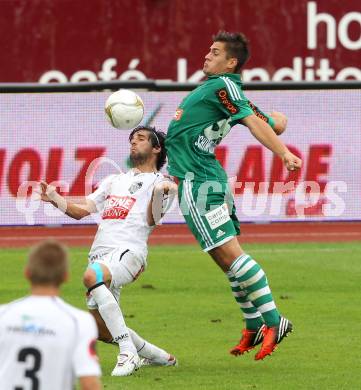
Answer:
(280, 122)
(163, 195)
(48, 193)
(275, 119)
(266, 136)
(90, 383)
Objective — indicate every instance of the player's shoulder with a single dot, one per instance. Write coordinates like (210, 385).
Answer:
(230, 86)
(13, 304)
(214, 82)
(163, 177)
(112, 177)
(3, 308)
(108, 180)
(231, 83)
(10, 309)
(150, 176)
(82, 317)
(159, 175)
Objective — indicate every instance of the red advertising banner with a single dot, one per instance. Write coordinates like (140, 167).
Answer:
(59, 41)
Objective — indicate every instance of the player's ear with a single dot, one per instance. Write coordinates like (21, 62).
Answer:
(232, 62)
(27, 273)
(157, 149)
(66, 277)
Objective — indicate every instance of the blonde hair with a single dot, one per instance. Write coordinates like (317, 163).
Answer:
(48, 263)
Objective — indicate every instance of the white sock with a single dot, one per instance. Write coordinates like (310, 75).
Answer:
(113, 317)
(148, 350)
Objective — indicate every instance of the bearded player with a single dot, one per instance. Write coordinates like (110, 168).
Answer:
(130, 204)
(202, 120)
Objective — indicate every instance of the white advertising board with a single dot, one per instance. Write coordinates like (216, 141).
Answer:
(55, 137)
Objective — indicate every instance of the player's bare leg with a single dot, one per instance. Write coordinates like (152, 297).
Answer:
(150, 354)
(95, 278)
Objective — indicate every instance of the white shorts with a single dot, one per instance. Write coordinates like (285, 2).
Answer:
(125, 267)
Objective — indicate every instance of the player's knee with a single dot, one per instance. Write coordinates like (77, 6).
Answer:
(89, 278)
(96, 273)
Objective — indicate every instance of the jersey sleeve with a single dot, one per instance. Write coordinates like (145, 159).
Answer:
(262, 115)
(232, 102)
(230, 99)
(161, 177)
(100, 194)
(85, 359)
(167, 198)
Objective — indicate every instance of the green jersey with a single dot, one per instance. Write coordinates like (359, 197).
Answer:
(200, 123)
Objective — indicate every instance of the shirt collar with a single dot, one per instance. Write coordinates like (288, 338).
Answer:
(234, 76)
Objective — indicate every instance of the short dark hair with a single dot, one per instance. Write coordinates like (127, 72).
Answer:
(157, 139)
(236, 45)
(48, 263)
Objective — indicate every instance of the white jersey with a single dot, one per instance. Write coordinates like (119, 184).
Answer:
(122, 201)
(45, 344)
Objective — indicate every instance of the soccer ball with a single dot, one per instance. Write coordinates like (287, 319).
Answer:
(124, 109)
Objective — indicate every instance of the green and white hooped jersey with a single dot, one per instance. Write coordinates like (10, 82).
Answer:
(200, 123)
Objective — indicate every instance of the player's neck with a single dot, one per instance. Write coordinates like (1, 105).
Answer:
(145, 168)
(44, 290)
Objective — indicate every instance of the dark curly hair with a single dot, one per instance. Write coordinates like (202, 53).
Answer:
(236, 45)
(157, 139)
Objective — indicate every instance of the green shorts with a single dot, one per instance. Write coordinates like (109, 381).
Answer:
(209, 211)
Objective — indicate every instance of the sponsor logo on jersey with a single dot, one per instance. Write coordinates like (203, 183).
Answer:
(30, 325)
(218, 216)
(178, 114)
(135, 187)
(117, 207)
(213, 135)
(205, 144)
(222, 96)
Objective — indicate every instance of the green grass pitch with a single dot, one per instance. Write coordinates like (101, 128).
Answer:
(183, 303)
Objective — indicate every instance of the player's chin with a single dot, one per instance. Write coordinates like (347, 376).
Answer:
(206, 70)
(133, 155)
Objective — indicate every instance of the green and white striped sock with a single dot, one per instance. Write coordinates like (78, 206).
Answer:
(251, 315)
(249, 282)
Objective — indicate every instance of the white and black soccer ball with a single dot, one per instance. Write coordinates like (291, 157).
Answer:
(124, 109)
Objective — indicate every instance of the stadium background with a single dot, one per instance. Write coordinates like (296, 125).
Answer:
(55, 135)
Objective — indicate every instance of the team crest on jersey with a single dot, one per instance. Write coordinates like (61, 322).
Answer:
(222, 96)
(178, 114)
(135, 187)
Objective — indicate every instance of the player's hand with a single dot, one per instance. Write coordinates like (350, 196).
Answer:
(163, 195)
(280, 122)
(167, 187)
(291, 161)
(44, 190)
